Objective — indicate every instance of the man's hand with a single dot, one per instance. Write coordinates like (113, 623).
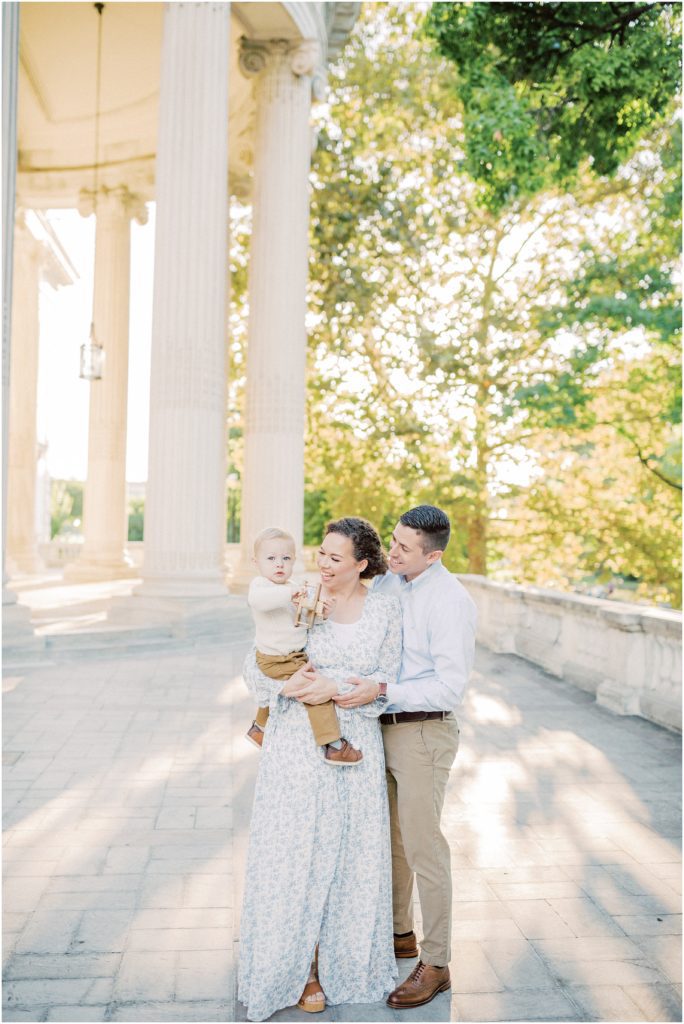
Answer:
(310, 687)
(365, 691)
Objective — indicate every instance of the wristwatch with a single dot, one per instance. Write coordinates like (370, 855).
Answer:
(382, 690)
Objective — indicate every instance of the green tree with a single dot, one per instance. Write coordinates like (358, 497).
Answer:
(66, 504)
(430, 331)
(547, 86)
(136, 519)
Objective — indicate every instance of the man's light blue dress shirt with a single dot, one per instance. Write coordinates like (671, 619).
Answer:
(439, 619)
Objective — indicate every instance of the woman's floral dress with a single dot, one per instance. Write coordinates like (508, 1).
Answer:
(319, 863)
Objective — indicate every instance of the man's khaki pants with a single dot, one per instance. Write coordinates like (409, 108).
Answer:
(418, 757)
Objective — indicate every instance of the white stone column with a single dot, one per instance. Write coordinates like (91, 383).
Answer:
(104, 510)
(22, 550)
(185, 507)
(273, 480)
(18, 637)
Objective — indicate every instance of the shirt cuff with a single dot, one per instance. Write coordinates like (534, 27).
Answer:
(393, 698)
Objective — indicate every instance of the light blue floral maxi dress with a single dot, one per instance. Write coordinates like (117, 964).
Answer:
(319, 864)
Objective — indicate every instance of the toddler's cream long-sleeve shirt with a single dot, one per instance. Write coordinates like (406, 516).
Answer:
(273, 614)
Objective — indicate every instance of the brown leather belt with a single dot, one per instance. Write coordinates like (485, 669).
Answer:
(413, 716)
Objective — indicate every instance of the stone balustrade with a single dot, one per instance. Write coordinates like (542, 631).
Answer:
(629, 656)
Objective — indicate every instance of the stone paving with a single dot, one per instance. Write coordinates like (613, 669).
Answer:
(127, 792)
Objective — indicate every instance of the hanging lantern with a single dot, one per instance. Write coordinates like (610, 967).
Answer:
(92, 358)
(92, 352)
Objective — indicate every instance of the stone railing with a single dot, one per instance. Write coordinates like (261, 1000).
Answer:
(629, 656)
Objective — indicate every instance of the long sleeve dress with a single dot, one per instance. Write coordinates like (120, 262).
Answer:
(319, 862)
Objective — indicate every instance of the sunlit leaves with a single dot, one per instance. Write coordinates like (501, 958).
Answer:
(549, 86)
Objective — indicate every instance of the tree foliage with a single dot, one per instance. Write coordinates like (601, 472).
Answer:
(546, 86)
(469, 356)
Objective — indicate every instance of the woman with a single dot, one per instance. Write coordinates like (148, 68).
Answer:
(317, 910)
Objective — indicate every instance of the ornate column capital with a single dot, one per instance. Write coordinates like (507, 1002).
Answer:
(303, 57)
(117, 202)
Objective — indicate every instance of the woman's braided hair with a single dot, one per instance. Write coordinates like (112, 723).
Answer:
(366, 542)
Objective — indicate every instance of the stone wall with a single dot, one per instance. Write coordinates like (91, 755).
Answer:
(629, 656)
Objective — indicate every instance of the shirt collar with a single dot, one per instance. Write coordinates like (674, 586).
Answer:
(436, 569)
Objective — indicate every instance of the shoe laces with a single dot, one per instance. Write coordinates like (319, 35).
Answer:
(417, 971)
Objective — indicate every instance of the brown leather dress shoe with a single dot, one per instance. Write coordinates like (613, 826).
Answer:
(405, 946)
(342, 757)
(423, 984)
(255, 735)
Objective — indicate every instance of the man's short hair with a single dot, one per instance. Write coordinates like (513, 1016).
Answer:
(272, 533)
(432, 523)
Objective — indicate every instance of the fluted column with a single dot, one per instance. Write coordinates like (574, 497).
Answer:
(273, 480)
(185, 508)
(18, 637)
(22, 550)
(104, 508)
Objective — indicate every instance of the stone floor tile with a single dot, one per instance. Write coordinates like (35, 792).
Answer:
(176, 817)
(49, 931)
(518, 965)
(537, 919)
(28, 868)
(584, 918)
(537, 890)
(479, 930)
(126, 859)
(23, 895)
(185, 1013)
(665, 953)
(204, 974)
(293, 1013)
(214, 817)
(604, 948)
(208, 891)
(103, 931)
(95, 883)
(144, 977)
(659, 1002)
(604, 1002)
(481, 910)
(185, 917)
(669, 870)
(650, 924)
(577, 819)
(37, 1014)
(116, 899)
(371, 1012)
(69, 965)
(162, 891)
(13, 922)
(471, 971)
(77, 1013)
(601, 972)
(180, 938)
(533, 873)
(39, 992)
(523, 1004)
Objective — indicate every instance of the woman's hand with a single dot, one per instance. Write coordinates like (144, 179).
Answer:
(365, 692)
(302, 677)
(314, 689)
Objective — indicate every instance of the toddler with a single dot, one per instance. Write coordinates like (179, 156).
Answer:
(280, 643)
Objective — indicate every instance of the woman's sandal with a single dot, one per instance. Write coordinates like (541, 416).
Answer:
(313, 998)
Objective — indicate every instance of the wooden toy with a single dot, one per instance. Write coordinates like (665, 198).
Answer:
(309, 606)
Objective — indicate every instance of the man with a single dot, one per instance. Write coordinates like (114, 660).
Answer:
(420, 734)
